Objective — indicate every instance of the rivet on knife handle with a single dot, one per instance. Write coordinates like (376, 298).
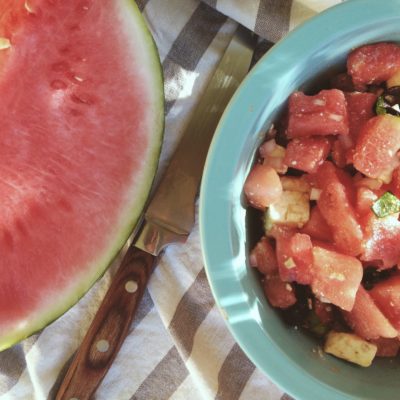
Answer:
(109, 327)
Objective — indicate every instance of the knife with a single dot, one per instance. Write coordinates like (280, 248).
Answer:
(168, 218)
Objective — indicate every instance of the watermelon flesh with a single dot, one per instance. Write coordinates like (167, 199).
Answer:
(373, 63)
(366, 320)
(322, 114)
(376, 148)
(81, 110)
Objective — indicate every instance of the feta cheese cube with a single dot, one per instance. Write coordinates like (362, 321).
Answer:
(295, 184)
(292, 209)
(350, 347)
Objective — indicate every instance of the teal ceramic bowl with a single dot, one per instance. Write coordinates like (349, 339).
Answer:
(286, 355)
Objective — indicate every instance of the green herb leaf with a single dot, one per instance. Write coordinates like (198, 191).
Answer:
(380, 106)
(389, 102)
(386, 205)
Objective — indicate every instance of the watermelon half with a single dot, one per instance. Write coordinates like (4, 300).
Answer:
(82, 116)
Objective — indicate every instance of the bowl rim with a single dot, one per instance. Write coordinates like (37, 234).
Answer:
(220, 194)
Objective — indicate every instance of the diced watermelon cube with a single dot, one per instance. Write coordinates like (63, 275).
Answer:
(328, 173)
(386, 295)
(316, 227)
(387, 347)
(263, 186)
(325, 173)
(377, 145)
(360, 108)
(337, 277)
(263, 257)
(366, 320)
(337, 210)
(295, 257)
(322, 114)
(381, 239)
(279, 293)
(373, 63)
(340, 151)
(307, 154)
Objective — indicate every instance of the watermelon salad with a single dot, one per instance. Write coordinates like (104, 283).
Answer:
(82, 114)
(327, 187)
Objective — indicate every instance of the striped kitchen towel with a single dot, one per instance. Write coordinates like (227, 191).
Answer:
(178, 346)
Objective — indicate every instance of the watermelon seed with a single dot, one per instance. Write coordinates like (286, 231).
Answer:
(131, 286)
(4, 43)
(102, 346)
(78, 78)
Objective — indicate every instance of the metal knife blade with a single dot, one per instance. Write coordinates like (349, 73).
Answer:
(169, 217)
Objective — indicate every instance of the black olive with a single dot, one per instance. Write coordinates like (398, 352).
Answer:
(389, 102)
(372, 276)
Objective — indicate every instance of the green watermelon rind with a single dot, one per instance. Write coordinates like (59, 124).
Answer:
(49, 314)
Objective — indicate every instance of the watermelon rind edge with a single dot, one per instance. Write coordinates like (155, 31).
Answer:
(43, 319)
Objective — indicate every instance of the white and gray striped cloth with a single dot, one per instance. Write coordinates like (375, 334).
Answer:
(178, 346)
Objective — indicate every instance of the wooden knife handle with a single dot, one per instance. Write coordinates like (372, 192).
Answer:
(109, 327)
